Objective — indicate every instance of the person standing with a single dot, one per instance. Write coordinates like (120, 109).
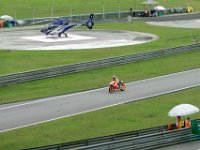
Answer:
(188, 122)
(178, 122)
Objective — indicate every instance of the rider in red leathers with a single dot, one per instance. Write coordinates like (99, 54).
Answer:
(115, 82)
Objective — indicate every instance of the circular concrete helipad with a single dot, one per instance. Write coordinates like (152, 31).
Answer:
(77, 39)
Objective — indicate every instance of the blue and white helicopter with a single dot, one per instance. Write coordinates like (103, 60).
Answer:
(59, 26)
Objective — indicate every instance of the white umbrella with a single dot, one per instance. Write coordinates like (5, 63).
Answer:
(183, 110)
(7, 18)
(150, 2)
(160, 8)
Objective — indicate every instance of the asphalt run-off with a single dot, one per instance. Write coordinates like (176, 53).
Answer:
(193, 24)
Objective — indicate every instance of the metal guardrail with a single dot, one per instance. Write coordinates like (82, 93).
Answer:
(89, 65)
(110, 138)
(150, 138)
(145, 142)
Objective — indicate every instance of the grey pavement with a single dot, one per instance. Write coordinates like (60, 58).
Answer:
(195, 24)
(18, 115)
(77, 39)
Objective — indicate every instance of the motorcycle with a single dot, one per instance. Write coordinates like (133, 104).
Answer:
(121, 87)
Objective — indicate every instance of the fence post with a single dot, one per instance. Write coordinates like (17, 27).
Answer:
(33, 15)
(135, 6)
(70, 13)
(178, 3)
(119, 9)
(15, 16)
(103, 9)
(52, 12)
(191, 3)
(164, 3)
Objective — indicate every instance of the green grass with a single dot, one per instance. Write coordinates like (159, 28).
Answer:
(127, 117)
(18, 61)
(99, 78)
(113, 120)
(43, 8)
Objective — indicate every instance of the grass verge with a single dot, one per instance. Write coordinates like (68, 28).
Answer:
(43, 8)
(18, 61)
(122, 118)
(99, 78)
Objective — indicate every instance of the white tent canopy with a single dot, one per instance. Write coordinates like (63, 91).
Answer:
(150, 2)
(183, 110)
(7, 18)
(160, 8)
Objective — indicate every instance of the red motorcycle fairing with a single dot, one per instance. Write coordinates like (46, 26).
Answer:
(113, 88)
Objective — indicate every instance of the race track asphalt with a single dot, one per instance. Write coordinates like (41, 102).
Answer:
(18, 115)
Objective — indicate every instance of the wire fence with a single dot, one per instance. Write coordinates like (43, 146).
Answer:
(53, 8)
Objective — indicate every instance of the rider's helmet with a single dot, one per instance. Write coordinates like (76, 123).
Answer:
(114, 77)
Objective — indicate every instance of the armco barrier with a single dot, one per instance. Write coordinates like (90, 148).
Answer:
(95, 64)
(110, 138)
(145, 139)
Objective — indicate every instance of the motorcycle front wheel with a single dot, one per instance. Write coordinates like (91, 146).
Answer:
(111, 90)
(123, 87)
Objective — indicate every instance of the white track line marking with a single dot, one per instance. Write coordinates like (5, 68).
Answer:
(49, 99)
(158, 94)
(84, 92)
